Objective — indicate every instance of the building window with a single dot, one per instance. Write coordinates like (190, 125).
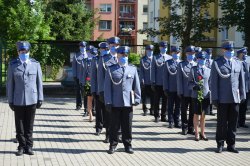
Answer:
(105, 8)
(126, 9)
(105, 25)
(145, 25)
(145, 9)
(224, 33)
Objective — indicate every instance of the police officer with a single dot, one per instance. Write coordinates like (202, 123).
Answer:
(183, 90)
(199, 80)
(228, 90)
(122, 90)
(76, 67)
(170, 87)
(208, 63)
(25, 94)
(241, 54)
(157, 81)
(145, 69)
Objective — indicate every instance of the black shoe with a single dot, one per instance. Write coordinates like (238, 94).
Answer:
(163, 119)
(78, 108)
(129, 150)
(156, 120)
(145, 113)
(233, 150)
(203, 138)
(244, 126)
(191, 132)
(29, 151)
(98, 133)
(106, 140)
(171, 125)
(111, 150)
(120, 139)
(151, 112)
(211, 113)
(20, 152)
(93, 113)
(85, 114)
(177, 126)
(219, 149)
(184, 132)
(15, 140)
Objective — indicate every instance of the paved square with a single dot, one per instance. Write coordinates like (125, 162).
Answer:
(63, 137)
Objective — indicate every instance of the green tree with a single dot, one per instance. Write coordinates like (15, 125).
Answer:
(237, 13)
(190, 26)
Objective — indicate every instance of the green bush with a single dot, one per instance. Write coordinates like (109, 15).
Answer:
(134, 59)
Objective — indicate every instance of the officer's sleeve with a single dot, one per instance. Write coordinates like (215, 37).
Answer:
(10, 84)
(179, 80)
(165, 77)
(153, 70)
(242, 87)
(82, 74)
(137, 87)
(141, 73)
(39, 82)
(74, 66)
(107, 88)
(93, 76)
(214, 83)
(191, 78)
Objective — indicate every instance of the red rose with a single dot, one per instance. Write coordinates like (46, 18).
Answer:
(87, 78)
(200, 78)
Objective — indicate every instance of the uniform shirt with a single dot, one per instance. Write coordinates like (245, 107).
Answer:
(208, 63)
(145, 70)
(227, 81)
(170, 75)
(24, 85)
(119, 84)
(193, 80)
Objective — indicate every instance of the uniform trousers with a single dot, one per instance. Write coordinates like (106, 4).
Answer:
(173, 108)
(186, 103)
(78, 94)
(227, 116)
(121, 117)
(242, 111)
(159, 93)
(147, 93)
(24, 120)
(100, 111)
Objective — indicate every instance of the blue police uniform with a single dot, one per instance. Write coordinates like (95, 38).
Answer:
(228, 90)
(157, 82)
(170, 88)
(25, 94)
(243, 105)
(121, 91)
(184, 92)
(76, 68)
(145, 70)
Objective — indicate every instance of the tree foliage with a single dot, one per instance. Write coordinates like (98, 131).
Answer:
(188, 26)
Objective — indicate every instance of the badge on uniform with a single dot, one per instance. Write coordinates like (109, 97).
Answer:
(129, 76)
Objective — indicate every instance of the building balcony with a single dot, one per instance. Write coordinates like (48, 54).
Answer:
(127, 16)
(127, 1)
(127, 32)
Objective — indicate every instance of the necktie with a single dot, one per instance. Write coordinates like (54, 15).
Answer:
(24, 65)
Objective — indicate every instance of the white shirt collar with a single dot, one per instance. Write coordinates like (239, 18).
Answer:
(27, 61)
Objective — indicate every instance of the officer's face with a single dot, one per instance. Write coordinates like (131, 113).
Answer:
(121, 55)
(111, 45)
(23, 51)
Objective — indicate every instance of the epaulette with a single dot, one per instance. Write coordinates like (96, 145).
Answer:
(33, 60)
(14, 61)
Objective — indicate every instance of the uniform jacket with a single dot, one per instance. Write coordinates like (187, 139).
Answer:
(157, 69)
(24, 86)
(145, 70)
(77, 65)
(119, 82)
(193, 81)
(93, 74)
(183, 71)
(85, 70)
(170, 75)
(227, 82)
(246, 74)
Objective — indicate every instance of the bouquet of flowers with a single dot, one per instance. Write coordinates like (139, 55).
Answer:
(200, 91)
(87, 87)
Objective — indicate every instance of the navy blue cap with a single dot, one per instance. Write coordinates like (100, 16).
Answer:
(150, 47)
(209, 51)
(175, 49)
(89, 47)
(23, 45)
(93, 51)
(190, 48)
(242, 50)
(83, 44)
(198, 49)
(123, 50)
(201, 55)
(114, 40)
(103, 45)
(228, 45)
(163, 44)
